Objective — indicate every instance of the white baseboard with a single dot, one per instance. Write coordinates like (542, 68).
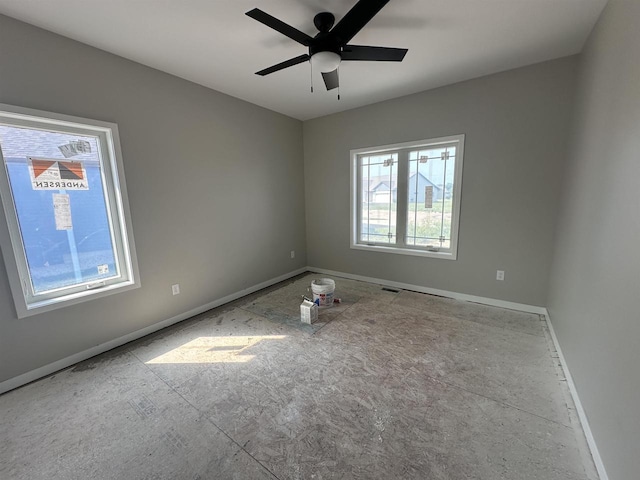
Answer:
(45, 370)
(522, 307)
(582, 416)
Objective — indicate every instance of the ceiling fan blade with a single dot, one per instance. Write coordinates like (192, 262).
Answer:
(378, 54)
(280, 26)
(287, 63)
(356, 18)
(331, 79)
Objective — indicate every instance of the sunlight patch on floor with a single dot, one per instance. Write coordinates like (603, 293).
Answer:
(214, 350)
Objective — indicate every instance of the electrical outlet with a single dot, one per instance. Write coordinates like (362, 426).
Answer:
(500, 275)
(175, 289)
(293, 254)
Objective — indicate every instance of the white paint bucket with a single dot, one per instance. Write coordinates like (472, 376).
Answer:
(322, 290)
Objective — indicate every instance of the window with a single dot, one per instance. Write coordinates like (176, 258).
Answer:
(406, 198)
(62, 188)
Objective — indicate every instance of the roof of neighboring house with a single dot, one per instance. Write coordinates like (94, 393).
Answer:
(23, 142)
(375, 183)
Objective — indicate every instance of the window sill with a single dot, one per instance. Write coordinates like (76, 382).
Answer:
(406, 251)
(37, 307)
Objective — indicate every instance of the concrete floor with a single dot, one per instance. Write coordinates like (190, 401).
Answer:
(385, 386)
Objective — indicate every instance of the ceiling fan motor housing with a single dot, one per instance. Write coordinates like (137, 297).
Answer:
(324, 42)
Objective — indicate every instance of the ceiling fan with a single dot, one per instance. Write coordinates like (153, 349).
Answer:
(330, 46)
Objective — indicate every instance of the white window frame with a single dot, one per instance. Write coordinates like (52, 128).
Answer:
(400, 247)
(28, 303)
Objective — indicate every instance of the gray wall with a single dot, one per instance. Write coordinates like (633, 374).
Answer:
(595, 284)
(215, 188)
(516, 125)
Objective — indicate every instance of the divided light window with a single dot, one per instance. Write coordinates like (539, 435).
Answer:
(62, 188)
(406, 197)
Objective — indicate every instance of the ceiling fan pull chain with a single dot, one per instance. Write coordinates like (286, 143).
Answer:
(338, 73)
(311, 63)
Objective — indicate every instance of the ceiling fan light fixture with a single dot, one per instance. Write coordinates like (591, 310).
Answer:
(325, 61)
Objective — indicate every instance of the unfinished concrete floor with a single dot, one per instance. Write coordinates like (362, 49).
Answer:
(386, 386)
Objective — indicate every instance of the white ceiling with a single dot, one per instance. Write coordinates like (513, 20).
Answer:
(213, 43)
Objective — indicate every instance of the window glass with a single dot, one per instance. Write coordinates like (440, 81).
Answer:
(430, 197)
(379, 175)
(66, 232)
